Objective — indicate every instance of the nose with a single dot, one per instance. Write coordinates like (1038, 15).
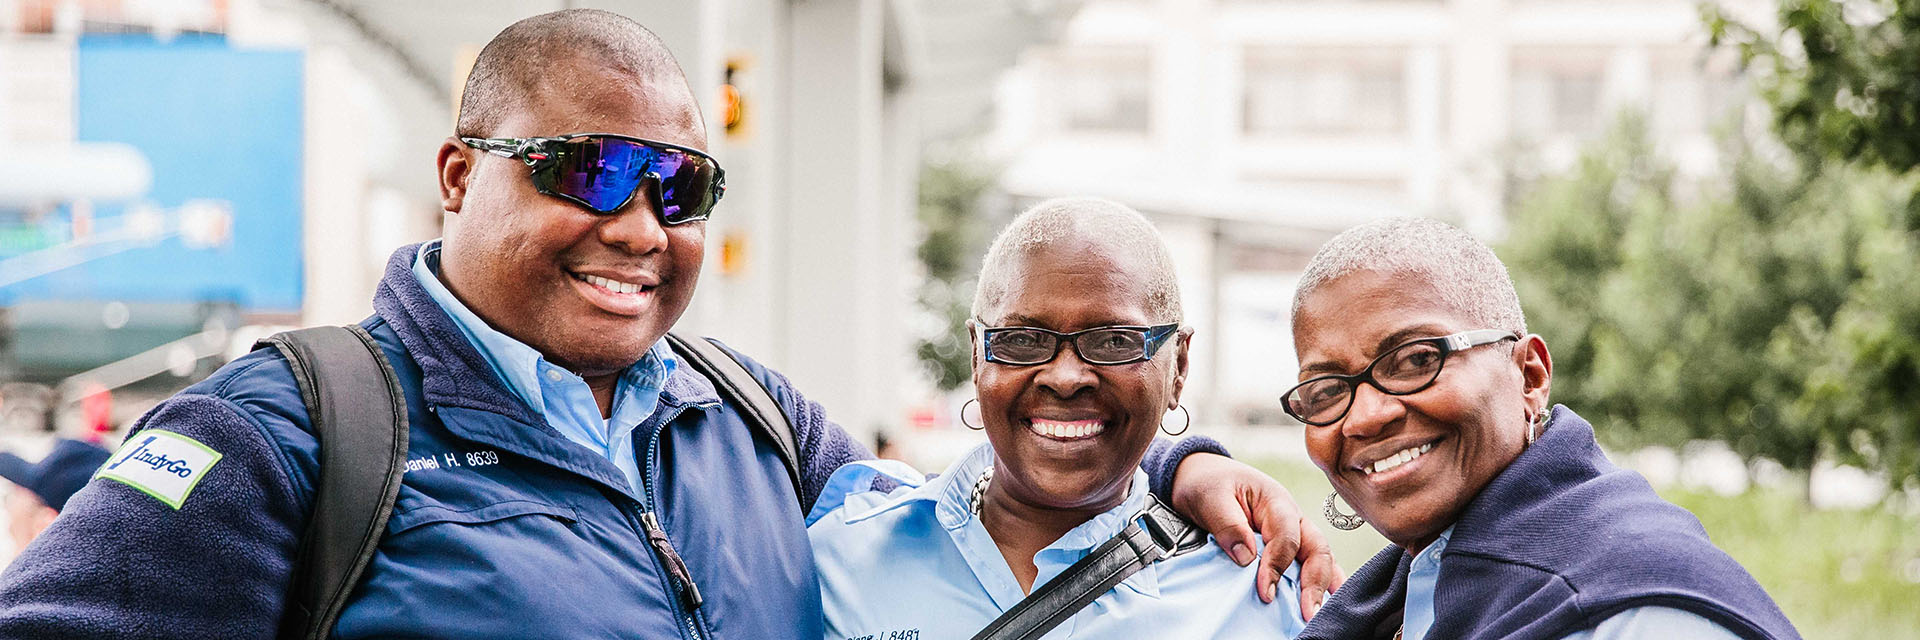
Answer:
(1066, 374)
(1371, 412)
(636, 228)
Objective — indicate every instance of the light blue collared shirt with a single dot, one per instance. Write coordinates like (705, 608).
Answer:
(1422, 574)
(916, 563)
(1638, 623)
(563, 398)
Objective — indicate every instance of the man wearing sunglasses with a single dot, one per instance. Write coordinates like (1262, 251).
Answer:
(566, 477)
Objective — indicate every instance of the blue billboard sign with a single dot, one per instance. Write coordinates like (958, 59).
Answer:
(222, 129)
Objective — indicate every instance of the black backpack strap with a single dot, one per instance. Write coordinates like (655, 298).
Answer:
(739, 386)
(1156, 534)
(360, 418)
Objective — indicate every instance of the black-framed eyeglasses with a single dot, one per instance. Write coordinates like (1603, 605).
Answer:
(602, 172)
(1123, 344)
(1403, 370)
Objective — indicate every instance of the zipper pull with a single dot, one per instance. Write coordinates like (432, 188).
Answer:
(676, 568)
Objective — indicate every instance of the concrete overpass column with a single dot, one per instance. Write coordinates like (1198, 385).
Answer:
(1478, 105)
(844, 255)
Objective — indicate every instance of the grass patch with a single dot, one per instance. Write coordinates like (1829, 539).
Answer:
(1836, 574)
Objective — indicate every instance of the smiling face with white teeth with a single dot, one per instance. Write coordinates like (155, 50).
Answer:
(1410, 464)
(590, 292)
(1067, 435)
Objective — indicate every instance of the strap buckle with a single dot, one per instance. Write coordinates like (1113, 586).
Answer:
(1164, 541)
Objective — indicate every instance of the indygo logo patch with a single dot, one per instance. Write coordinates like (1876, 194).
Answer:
(162, 464)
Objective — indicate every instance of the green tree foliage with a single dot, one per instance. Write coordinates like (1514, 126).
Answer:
(1843, 77)
(1771, 306)
(950, 217)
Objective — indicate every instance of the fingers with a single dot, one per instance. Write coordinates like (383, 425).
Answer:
(1314, 597)
(1233, 501)
(1278, 520)
(1319, 573)
(1237, 540)
(1231, 531)
(1283, 545)
(1211, 491)
(1310, 602)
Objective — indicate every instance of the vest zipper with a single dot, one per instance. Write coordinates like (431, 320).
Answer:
(676, 567)
(686, 592)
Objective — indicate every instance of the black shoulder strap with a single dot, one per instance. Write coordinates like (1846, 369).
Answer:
(360, 418)
(738, 385)
(1154, 535)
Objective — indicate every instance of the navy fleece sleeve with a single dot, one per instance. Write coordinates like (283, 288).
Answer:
(1163, 459)
(119, 563)
(823, 446)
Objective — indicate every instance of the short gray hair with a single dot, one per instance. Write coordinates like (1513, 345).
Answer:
(1115, 226)
(1463, 271)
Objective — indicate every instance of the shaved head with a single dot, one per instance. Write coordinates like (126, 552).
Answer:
(523, 259)
(540, 55)
(1120, 231)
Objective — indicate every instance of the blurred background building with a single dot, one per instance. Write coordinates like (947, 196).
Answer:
(186, 176)
(181, 177)
(1252, 131)
(208, 171)
(205, 171)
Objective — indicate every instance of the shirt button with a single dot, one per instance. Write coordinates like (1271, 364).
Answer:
(553, 375)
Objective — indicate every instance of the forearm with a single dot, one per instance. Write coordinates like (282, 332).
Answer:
(120, 563)
(1163, 460)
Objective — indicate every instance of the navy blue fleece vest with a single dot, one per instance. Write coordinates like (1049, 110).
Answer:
(1559, 541)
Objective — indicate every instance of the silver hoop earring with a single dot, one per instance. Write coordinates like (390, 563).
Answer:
(963, 415)
(1539, 420)
(1184, 426)
(1341, 521)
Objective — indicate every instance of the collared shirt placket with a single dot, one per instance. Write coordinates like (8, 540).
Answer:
(635, 386)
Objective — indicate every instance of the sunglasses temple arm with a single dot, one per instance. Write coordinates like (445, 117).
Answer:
(503, 147)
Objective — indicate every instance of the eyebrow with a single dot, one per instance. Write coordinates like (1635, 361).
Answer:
(1015, 319)
(1392, 340)
(1402, 336)
(1018, 320)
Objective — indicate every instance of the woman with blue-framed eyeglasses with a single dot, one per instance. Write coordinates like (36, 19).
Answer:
(1079, 359)
(1424, 401)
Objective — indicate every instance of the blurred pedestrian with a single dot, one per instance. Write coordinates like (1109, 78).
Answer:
(41, 489)
(885, 448)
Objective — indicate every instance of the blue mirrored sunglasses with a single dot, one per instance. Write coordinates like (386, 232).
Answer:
(603, 171)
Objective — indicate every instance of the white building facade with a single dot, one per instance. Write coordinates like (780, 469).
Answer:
(1254, 130)
(815, 108)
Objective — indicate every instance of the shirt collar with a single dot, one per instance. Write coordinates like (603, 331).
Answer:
(649, 375)
(1423, 574)
(516, 363)
(951, 496)
(1429, 558)
(952, 512)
